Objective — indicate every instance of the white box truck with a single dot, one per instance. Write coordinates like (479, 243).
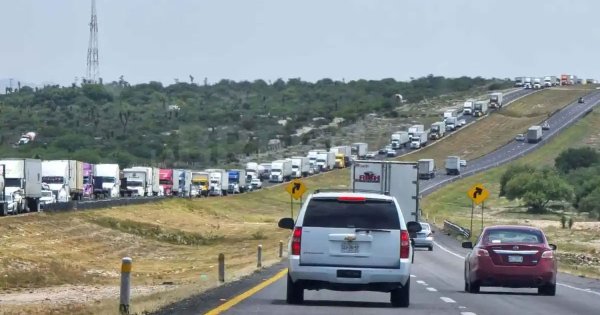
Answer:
(480, 108)
(468, 107)
(107, 182)
(300, 166)
(137, 181)
(496, 100)
(453, 165)
(65, 178)
(437, 130)
(534, 134)
(326, 161)
(426, 168)
(251, 170)
(360, 149)
(281, 171)
(415, 129)
(312, 157)
(397, 179)
(152, 179)
(400, 139)
(22, 184)
(419, 140)
(218, 182)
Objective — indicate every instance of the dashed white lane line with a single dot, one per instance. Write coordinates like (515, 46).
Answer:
(467, 313)
(447, 299)
(560, 284)
(421, 282)
(432, 289)
(413, 276)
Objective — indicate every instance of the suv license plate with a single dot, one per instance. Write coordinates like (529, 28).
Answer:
(515, 259)
(350, 248)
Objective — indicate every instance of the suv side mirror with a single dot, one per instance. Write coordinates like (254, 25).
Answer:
(552, 246)
(286, 223)
(467, 245)
(413, 227)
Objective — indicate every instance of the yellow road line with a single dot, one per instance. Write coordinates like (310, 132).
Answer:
(231, 303)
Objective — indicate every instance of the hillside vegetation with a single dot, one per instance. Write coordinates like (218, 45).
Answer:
(200, 125)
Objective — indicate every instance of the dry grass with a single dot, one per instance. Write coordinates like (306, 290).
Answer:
(175, 241)
(498, 128)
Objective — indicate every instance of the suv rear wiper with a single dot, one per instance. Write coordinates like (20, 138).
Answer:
(371, 230)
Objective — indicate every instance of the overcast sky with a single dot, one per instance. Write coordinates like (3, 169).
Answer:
(162, 40)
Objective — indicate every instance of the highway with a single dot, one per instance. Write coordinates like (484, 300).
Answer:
(438, 284)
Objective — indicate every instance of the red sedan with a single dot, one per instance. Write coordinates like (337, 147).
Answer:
(511, 256)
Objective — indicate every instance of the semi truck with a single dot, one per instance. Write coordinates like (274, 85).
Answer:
(107, 181)
(152, 179)
(437, 130)
(396, 179)
(360, 149)
(519, 82)
(184, 177)
(451, 123)
(538, 83)
(237, 181)
(453, 165)
(414, 129)
(253, 170)
(65, 178)
(468, 107)
(168, 181)
(264, 171)
(426, 168)
(218, 182)
(419, 140)
(136, 182)
(326, 161)
(342, 155)
(400, 139)
(534, 134)
(480, 108)
(200, 184)
(281, 171)
(88, 180)
(22, 184)
(496, 100)
(527, 83)
(300, 166)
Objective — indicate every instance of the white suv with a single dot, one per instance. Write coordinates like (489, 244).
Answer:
(348, 241)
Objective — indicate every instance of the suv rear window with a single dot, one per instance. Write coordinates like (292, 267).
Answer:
(371, 214)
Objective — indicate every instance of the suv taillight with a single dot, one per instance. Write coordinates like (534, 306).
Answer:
(404, 244)
(296, 241)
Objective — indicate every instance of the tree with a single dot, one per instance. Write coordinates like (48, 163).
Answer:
(512, 171)
(538, 188)
(591, 203)
(572, 158)
(584, 181)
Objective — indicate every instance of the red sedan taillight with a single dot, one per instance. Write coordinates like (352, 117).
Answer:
(297, 241)
(548, 254)
(482, 253)
(404, 244)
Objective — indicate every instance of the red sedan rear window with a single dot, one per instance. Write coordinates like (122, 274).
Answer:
(499, 236)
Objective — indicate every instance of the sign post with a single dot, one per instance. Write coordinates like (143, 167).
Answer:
(478, 195)
(296, 188)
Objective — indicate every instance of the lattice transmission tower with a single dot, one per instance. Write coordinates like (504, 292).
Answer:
(93, 73)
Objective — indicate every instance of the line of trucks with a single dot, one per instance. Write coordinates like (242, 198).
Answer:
(550, 81)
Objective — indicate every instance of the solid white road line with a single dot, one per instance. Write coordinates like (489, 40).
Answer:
(432, 289)
(447, 299)
(558, 283)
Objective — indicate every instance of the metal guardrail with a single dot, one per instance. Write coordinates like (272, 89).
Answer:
(97, 204)
(457, 228)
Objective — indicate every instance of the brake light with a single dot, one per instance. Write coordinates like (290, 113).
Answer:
(352, 198)
(404, 244)
(482, 253)
(548, 254)
(297, 241)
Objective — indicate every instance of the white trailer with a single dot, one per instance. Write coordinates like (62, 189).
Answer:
(468, 107)
(152, 179)
(65, 178)
(426, 168)
(218, 182)
(185, 182)
(300, 166)
(107, 182)
(22, 184)
(252, 170)
(419, 140)
(237, 181)
(312, 157)
(137, 180)
(326, 161)
(400, 139)
(437, 130)
(415, 129)
(360, 149)
(480, 108)
(453, 165)
(281, 171)
(496, 100)
(397, 179)
(534, 134)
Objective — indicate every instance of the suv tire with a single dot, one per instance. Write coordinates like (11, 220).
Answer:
(400, 297)
(295, 292)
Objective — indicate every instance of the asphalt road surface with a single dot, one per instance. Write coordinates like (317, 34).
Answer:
(437, 285)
